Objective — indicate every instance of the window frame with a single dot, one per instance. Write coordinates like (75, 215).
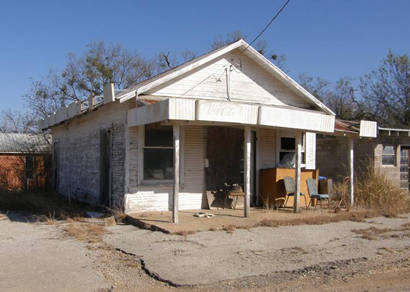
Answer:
(279, 137)
(150, 181)
(389, 155)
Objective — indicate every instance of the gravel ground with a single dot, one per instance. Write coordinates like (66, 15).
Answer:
(344, 256)
(33, 257)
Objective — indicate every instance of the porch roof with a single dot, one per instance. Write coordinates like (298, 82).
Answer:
(201, 110)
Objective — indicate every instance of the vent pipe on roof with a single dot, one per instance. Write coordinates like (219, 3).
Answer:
(109, 93)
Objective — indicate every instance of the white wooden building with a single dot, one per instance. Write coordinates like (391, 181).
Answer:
(220, 117)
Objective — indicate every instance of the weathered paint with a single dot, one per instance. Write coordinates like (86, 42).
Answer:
(79, 154)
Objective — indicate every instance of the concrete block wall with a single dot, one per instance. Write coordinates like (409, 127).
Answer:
(78, 145)
(332, 156)
(392, 172)
(332, 160)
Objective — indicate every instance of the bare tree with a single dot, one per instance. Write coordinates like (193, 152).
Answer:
(86, 75)
(385, 92)
(339, 97)
(17, 122)
(260, 45)
(168, 60)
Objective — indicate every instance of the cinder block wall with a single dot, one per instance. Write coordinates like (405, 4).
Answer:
(332, 159)
(332, 156)
(78, 144)
(391, 172)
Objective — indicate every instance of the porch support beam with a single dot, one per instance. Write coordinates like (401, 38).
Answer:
(297, 171)
(351, 168)
(247, 172)
(177, 138)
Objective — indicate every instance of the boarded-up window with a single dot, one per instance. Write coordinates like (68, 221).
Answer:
(158, 153)
(388, 155)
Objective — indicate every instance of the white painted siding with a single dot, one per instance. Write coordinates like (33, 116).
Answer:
(159, 198)
(248, 83)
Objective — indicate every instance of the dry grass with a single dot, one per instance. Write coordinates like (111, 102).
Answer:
(43, 206)
(373, 233)
(374, 191)
(185, 233)
(49, 220)
(87, 232)
(357, 216)
(229, 228)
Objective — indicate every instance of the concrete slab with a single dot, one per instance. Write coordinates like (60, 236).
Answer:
(209, 257)
(223, 219)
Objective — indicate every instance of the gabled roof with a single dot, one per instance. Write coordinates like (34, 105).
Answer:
(16, 143)
(247, 50)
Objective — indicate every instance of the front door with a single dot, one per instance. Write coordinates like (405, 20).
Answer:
(405, 167)
(225, 157)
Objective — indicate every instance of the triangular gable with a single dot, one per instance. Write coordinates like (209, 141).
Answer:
(235, 72)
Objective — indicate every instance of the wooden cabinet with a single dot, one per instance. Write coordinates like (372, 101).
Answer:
(271, 187)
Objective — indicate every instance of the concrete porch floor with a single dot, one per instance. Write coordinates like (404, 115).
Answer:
(223, 219)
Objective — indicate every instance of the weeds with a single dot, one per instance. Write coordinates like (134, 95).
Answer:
(185, 233)
(372, 233)
(374, 191)
(87, 232)
(229, 228)
(42, 205)
(49, 220)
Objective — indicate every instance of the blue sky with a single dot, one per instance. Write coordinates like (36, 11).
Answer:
(326, 38)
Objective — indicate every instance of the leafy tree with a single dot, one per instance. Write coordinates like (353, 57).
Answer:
(385, 92)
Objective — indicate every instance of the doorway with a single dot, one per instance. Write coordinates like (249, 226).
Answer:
(405, 167)
(225, 154)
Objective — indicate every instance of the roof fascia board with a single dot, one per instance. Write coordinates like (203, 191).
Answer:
(184, 69)
(288, 80)
(190, 67)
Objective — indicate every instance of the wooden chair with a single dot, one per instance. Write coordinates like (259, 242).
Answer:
(314, 194)
(291, 189)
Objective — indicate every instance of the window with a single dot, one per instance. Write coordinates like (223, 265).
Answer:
(287, 154)
(158, 153)
(388, 155)
(287, 151)
(29, 166)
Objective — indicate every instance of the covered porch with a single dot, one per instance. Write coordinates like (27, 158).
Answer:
(245, 137)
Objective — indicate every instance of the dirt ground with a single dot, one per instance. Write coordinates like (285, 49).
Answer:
(344, 256)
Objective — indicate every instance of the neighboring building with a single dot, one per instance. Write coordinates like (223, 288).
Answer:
(218, 118)
(25, 161)
(388, 153)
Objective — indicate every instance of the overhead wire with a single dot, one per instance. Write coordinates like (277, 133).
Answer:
(267, 25)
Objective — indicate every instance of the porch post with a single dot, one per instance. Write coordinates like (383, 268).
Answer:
(176, 131)
(351, 169)
(298, 141)
(247, 172)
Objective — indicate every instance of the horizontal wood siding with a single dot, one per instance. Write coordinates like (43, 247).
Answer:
(159, 198)
(248, 83)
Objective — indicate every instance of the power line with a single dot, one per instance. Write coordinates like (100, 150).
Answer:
(269, 23)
